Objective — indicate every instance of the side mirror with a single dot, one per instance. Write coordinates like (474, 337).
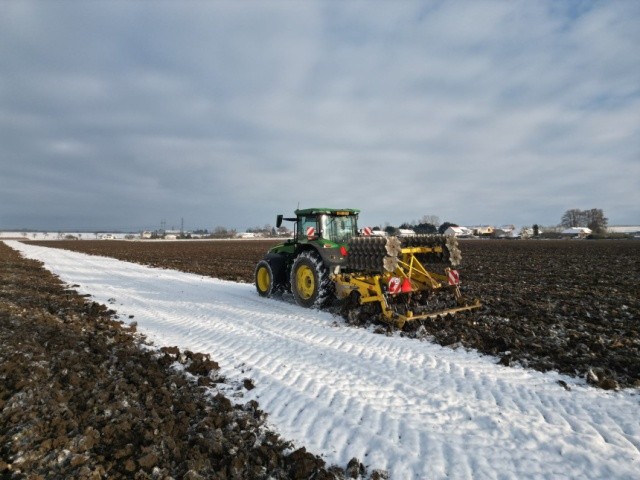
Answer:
(279, 221)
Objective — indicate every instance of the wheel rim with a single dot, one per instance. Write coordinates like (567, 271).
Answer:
(263, 279)
(305, 282)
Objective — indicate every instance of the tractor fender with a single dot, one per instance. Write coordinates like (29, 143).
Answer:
(331, 257)
(278, 264)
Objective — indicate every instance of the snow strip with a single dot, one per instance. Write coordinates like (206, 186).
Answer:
(413, 408)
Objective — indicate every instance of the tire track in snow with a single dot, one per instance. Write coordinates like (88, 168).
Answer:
(414, 408)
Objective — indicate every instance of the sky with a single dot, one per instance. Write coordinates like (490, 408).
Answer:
(125, 114)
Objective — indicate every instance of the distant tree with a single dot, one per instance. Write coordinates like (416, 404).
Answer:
(536, 230)
(593, 219)
(442, 228)
(390, 230)
(596, 220)
(282, 230)
(573, 218)
(431, 219)
(425, 227)
(220, 232)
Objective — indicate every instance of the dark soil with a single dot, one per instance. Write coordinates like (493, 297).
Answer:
(571, 306)
(565, 305)
(81, 397)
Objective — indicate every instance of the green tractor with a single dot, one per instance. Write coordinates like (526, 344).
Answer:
(329, 258)
(303, 264)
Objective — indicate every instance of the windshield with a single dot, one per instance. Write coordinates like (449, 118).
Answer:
(338, 229)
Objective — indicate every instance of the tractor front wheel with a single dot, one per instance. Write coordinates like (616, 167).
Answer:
(310, 282)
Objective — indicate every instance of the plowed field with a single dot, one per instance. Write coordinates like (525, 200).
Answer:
(571, 306)
(80, 399)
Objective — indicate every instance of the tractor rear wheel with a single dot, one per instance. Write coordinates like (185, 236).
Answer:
(310, 282)
(264, 278)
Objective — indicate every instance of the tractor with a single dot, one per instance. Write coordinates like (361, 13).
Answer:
(380, 277)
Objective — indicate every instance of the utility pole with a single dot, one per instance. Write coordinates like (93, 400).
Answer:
(182, 226)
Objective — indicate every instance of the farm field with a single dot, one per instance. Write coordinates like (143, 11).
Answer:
(402, 405)
(80, 399)
(570, 306)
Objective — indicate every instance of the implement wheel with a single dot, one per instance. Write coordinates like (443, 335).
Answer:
(264, 278)
(310, 282)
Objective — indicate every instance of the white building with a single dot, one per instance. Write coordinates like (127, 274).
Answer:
(576, 232)
(482, 230)
(628, 229)
(458, 232)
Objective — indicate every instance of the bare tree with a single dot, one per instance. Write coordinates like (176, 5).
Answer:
(431, 219)
(220, 232)
(596, 220)
(593, 219)
(573, 218)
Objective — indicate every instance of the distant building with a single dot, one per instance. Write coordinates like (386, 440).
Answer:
(458, 232)
(505, 231)
(482, 230)
(576, 232)
(405, 232)
(626, 229)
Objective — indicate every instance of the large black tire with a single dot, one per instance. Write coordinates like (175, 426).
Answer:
(310, 282)
(264, 279)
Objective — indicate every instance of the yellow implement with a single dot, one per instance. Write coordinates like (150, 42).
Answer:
(404, 290)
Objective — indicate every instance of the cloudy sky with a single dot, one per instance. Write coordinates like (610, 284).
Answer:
(122, 114)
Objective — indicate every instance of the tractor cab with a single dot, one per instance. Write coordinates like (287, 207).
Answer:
(329, 227)
(326, 231)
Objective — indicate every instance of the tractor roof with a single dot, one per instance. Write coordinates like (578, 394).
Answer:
(329, 211)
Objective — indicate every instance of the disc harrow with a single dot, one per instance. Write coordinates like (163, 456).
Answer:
(380, 254)
(391, 272)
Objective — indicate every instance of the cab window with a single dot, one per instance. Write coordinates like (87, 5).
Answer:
(338, 229)
(305, 223)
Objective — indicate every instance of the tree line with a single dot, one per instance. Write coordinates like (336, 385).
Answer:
(593, 219)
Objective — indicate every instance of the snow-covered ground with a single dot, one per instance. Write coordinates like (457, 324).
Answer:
(413, 408)
(66, 235)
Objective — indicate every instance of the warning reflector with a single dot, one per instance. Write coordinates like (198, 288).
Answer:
(395, 285)
(406, 286)
(311, 232)
(366, 231)
(454, 277)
